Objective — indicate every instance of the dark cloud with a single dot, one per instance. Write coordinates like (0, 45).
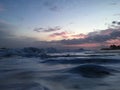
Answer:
(95, 37)
(59, 34)
(2, 8)
(116, 22)
(53, 6)
(63, 34)
(115, 25)
(113, 3)
(101, 36)
(115, 34)
(113, 22)
(6, 29)
(48, 3)
(38, 29)
(118, 14)
(5, 33)
(57, 28)
(45, 44)
(79, 35)
(9, 39)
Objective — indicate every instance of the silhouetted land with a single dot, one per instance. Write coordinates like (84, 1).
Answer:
(112, 47)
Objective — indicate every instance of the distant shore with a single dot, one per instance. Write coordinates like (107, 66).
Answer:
(112, 47)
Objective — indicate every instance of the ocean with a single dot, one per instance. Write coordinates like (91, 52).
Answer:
(91, 70)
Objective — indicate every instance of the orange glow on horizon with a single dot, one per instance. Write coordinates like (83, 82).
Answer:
(85, 45)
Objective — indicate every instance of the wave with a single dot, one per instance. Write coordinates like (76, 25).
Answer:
(81, 61)
(92, 70)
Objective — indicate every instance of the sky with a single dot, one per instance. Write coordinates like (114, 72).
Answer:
(59, 23)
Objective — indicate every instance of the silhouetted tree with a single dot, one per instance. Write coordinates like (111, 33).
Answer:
(113, 46)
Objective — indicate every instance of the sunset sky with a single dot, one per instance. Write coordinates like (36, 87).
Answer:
(59, 23)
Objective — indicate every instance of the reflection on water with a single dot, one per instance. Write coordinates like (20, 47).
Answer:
(20, 73)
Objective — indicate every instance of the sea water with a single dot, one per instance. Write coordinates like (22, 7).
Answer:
(24, 73)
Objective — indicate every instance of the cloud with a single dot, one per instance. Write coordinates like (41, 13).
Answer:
(6, 29)
(116, 23)
(65, 39)
(98, 39)
(118, 14)
(67, 35)
(79, 36)
(60, 34)
(5, 33)
(8, 37)
(113, 41)
(2, 8)
(93, 38)
(64, 35)
(56, 28)
(52, 6)
(113, 3)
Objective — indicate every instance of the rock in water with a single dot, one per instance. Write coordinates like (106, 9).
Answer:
(92, 71)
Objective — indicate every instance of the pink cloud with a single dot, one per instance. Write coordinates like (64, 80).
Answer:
(95, 39)
(79, 36)
(63, 34)
(113, 41)
(68, 35)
